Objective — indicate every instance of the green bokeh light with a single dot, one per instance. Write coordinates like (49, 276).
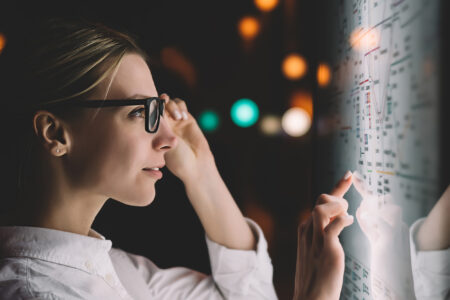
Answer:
(244, 112)
(208, 120)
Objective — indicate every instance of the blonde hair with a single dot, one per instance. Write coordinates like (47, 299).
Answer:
(53, 60)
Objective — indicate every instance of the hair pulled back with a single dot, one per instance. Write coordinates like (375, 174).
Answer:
(45, 61)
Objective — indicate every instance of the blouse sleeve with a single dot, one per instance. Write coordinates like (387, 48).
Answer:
(431, 269)
(243, 274)
(236, 274)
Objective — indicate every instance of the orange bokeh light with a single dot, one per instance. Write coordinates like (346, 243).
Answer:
(323, 75)
(364, 39)
(294, 66)
(175, 60)
(248, 27)
(302, 99)
(304, 215)
(263, 217)
(266, 5)
(2, 41)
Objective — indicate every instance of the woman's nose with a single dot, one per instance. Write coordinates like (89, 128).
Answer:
(165, 139)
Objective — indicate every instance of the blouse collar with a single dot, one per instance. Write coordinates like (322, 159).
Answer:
(88, 253)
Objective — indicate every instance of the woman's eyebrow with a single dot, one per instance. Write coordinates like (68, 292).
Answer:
(137, 96)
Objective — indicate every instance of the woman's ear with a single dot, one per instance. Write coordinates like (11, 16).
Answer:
(51, 132)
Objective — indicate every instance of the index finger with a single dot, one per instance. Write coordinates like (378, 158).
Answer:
(343, 185)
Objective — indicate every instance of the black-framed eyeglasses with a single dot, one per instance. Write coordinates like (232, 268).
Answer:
(154, 108)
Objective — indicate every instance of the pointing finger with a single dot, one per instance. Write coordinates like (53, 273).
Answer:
(343, 185)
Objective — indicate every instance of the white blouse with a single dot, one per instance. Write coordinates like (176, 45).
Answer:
(41, 263)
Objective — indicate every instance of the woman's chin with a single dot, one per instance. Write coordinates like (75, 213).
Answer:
(143, 201)
(148, 201)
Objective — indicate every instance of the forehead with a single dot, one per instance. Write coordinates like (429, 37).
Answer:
(132, 77)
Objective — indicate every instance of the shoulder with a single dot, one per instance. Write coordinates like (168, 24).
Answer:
(123, 259)
(133, 264)
(15, 283)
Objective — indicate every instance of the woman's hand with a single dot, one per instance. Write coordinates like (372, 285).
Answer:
(192, 153)
(320, 256)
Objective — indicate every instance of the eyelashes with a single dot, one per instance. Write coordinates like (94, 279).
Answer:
(141, 112)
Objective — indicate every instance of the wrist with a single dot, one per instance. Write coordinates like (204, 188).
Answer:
(205, 170)
(207, 189)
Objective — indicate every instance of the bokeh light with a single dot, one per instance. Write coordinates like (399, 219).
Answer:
(364, 40)
(2, 42)
(248, 27)
(270, 124)
(302, 99)
(244, 112)
(266, 5)
(265, 219)
(294, 66)
(296, 122)
(209, 120)
(176, 61)
(323, 74)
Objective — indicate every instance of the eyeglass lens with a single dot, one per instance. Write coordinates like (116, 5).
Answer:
(153, 115)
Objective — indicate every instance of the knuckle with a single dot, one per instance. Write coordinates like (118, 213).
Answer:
(171, 104)
(344, 203)
(179, 101)
(333, 198)
(317, 211)
(323, 198)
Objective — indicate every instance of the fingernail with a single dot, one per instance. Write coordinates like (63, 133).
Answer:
(350, 217)
(185, 116)
(347, 175)
(177, 115)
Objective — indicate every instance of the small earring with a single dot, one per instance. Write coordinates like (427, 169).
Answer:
(57, 150)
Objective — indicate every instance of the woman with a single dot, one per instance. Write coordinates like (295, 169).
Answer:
(94, 128)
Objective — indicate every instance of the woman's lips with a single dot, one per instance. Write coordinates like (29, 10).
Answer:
(154, 173)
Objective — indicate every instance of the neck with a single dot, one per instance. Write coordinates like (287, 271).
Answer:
(70, 212)
(51, 200)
